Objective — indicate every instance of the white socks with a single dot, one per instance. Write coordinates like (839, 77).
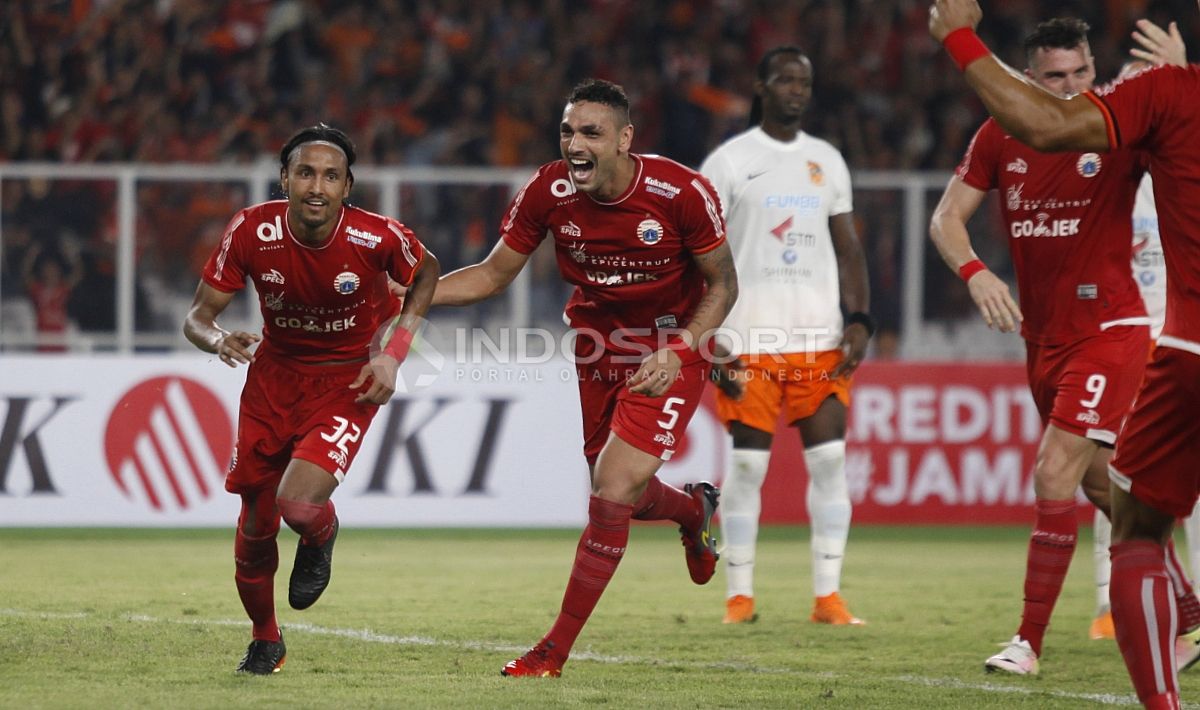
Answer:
(1101, 539)
(1191, 529)
(741, 502)
(828, 503)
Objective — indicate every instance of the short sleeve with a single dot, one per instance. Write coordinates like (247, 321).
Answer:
(718, 170)
(405, 253)
(524, 225)
(700, 224)
(1133, 106)
(843, 193)
(979, 164)
(226, 267)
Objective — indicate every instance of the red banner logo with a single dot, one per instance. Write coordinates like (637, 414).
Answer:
(168, 442)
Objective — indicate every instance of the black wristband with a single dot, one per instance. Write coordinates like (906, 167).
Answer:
(862, 319)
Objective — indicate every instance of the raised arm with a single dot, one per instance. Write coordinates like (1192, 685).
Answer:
(1029, 113)
(948, 230)
(200, 327)
(477, 282)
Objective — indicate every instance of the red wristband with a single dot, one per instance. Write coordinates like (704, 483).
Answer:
(964, 47)
(398, 346)
(969, 269)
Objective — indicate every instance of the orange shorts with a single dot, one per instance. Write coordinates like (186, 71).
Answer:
(797, 382)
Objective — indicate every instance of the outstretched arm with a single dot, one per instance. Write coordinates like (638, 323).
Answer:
(948, 229)
(200, 327)
(477, 282)
(1029, 113)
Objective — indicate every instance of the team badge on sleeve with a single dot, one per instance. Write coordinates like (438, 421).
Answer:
(650, 231)
(1088, 165)
(346, 283)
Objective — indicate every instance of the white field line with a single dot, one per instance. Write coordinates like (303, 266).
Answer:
(369, 636)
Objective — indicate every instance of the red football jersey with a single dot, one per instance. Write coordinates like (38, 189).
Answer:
(318, 303)
(1069, 218)
(1158, 110)
(630, 259)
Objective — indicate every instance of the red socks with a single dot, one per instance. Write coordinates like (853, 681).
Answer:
(600, 550)
(1051, 547)
(1143, 606)
(662, 502)
(312, 522)
(256, 559)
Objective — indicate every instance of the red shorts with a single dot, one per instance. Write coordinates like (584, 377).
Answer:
(796, 382)
(1158, 454)
(293, 410)
(653, 424)
(1087, 386)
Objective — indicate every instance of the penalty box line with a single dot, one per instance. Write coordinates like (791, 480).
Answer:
(369, 636)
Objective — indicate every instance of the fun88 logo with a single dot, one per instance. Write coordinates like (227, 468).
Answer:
(167, 442)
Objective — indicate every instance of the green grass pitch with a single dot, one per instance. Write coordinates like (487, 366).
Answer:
(426, 618)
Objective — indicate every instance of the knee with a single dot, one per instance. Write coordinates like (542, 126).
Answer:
(298, 514)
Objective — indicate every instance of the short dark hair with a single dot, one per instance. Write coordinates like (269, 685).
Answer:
(760, 72)
(1059, 33)
(319, 132)
(601, 92)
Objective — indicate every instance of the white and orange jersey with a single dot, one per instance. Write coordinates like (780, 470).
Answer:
(778, 198)
(1149, 267)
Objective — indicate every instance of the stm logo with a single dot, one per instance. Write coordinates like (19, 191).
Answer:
(1018, 166)
(1090, 417)
(166, 443)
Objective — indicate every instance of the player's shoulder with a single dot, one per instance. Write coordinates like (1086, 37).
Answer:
(738, 143)
(368, 229)
(264, 219)
(1152, 78)
(660, 166)
(822, 149)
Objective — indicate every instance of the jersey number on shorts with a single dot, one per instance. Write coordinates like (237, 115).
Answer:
(344, 433)
(1095, 384)
(669, 409)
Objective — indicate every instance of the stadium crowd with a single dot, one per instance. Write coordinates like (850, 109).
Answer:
(418, 82)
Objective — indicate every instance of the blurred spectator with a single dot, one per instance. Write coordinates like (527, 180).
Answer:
(458, 82)
(50, 277)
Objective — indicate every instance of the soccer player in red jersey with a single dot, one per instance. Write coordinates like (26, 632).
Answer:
(320, 268)
(1154, 474)
(1068, 221)
(642, 239)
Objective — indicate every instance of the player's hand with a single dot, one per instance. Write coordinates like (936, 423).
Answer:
(657, 373)
(380, 372)
(945, 16)
(729, 378)
(234, 347)
(854, 349)
(995, 302)
(1159, 47)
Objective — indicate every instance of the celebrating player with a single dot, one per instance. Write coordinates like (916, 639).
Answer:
(1067, 216)
(642, 240)
(320, 268)
(1154, 474)
(787, 201)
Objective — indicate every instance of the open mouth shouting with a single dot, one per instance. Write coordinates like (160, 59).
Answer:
(582, 170)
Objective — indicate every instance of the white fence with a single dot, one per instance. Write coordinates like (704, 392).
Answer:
(122, 206)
